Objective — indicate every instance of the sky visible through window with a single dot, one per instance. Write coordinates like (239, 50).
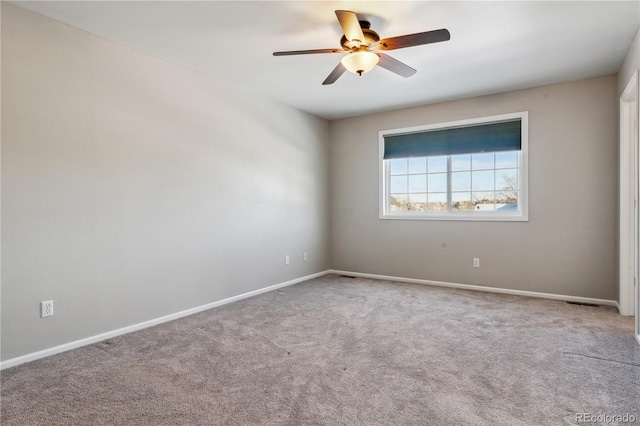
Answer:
(478, 182)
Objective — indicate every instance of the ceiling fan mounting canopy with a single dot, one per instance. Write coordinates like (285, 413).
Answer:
(362, 46)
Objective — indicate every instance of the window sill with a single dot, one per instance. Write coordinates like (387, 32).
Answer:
(462, 216)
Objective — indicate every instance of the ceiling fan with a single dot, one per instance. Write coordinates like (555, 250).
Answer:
(362, 46)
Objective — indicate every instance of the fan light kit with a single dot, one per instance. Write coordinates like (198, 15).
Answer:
(362, 46)
(360, 61)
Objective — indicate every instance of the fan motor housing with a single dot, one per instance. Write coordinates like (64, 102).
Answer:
(370, 37)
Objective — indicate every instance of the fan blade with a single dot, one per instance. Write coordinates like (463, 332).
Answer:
(413, 39)
(335, 74)
(306, 52)
(350, 25)
(395, 66)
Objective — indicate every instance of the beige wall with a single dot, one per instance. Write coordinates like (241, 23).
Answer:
(133, 188)
(567, 247)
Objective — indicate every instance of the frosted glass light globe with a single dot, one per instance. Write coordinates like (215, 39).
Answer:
(360, 61)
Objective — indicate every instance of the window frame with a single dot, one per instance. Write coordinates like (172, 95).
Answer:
(522, 215)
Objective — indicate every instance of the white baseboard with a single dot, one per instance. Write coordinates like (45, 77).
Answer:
(483, 288)
(110, 334)
(135, 327)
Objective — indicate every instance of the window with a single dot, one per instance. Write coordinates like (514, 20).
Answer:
(464, 170)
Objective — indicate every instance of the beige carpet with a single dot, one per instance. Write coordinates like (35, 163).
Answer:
(341, 351)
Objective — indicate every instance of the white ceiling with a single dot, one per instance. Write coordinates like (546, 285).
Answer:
(495, 46)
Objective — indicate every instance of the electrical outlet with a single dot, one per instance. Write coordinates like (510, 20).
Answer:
(476, 262)
(286, 259)
(46, 308)
(305, 256)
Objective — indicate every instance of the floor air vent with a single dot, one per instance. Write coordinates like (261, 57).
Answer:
(584, 304)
